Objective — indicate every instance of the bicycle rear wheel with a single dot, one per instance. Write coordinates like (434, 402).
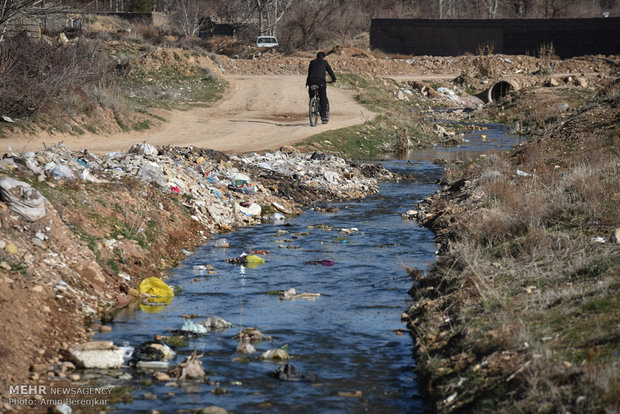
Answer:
(314, 111)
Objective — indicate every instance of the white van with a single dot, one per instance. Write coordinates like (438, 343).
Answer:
(266, 41)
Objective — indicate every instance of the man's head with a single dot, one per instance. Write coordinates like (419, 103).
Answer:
(320, 55)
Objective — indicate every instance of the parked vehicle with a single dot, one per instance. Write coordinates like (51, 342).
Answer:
(266, 41)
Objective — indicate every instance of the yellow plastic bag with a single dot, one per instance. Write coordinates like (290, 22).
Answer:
(253, 261)
(155, 287)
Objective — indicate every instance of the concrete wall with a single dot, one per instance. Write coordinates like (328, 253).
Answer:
(570, 37)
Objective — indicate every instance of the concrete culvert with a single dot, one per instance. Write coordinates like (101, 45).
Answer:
(501, 89)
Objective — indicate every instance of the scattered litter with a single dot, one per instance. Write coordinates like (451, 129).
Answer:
(251, 210)
(599, 239)
(410, 215)
(277, 354)
(523, 174)
(288, 372)
(218, 390)
(62, 172)
(87, 176)
(280, 207)
(253, 334)
(251, 261)
(221, 243)
(97, 354)
(215, 323)
(245, 347)
(321, 262)
(192, 367)
(203, 267)
(356, 394)
(276, 217)
(292, 294)
(204, 177)
(152, 351)
(143, 149)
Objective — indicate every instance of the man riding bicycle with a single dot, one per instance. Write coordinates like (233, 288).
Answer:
(316, 76)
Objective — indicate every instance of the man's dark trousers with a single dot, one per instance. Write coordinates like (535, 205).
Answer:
(322, 95)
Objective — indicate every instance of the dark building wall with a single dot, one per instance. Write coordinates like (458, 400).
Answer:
(570, 37)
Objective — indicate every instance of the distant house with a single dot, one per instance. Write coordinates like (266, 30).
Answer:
(70, 23)
(29, 25)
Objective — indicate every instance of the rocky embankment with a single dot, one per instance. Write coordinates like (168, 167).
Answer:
(79, 230)
(520, 313)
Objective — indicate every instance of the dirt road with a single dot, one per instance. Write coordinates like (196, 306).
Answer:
(257, 112)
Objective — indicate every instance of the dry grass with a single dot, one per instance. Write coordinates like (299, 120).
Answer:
(483, 61)
(532, 300)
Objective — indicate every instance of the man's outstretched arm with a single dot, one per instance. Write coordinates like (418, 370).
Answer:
(331, 73)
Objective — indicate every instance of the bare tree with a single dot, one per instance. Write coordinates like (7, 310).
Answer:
(189, 15)
(308, 25)
(270, 12)
(491, 8)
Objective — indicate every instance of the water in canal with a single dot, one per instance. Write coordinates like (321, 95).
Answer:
(350, 338)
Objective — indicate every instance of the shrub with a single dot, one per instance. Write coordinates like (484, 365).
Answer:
(34, 73)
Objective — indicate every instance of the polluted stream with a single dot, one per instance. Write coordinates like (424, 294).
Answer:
(349, 342)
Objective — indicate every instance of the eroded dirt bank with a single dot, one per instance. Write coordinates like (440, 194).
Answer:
(130, 216)
(520, 313)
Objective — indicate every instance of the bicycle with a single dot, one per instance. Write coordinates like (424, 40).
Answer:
(314, 107)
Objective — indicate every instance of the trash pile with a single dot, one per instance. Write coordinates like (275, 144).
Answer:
(221, 191)
(328, 174)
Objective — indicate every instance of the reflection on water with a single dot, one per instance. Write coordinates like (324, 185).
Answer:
(495, 138)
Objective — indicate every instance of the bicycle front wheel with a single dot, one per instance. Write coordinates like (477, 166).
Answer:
(314, 111)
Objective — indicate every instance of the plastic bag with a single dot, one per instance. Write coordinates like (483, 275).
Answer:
(251, 210)
(253, 261)
(155, 287)
(21, 198)
(62, 172)
(143, 148)
(192, 327)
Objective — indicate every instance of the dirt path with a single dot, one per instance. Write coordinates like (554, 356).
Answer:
(258, 112)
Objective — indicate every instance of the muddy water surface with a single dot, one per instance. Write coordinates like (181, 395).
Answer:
(350, 338)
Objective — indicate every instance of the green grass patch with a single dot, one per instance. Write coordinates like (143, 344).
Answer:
(141, 126)
(397, 125)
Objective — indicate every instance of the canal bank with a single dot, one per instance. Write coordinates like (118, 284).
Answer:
(520, 314)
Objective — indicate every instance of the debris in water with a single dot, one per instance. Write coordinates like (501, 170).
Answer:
(277, 354)
(251, 261)
(191, 367)
(156, 350)
(357, 394)
(288, 372)
(292, 294)
(254, 334)
(321, 262)
(245, 347)
(190, 326)
(215, 323)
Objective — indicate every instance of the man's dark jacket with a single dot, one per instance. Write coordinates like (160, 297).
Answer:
(316, 72)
